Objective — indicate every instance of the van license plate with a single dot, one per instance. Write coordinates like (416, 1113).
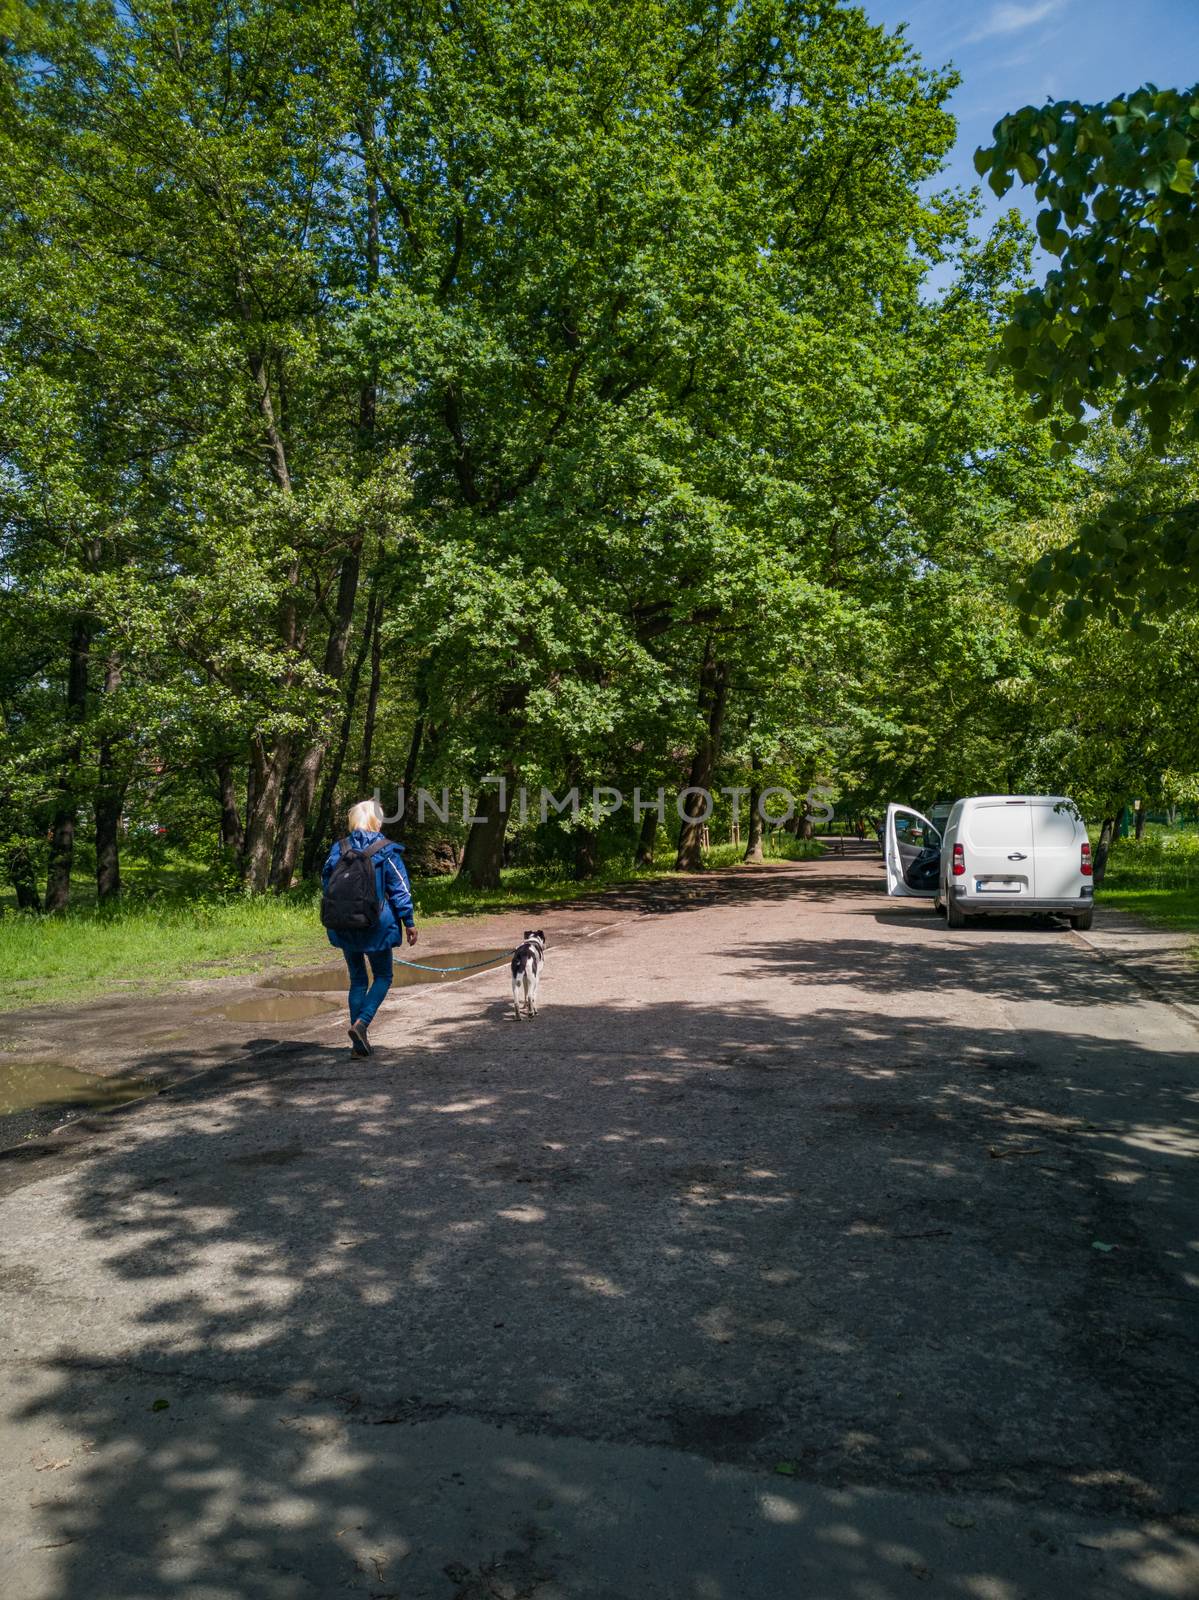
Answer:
(997, 886)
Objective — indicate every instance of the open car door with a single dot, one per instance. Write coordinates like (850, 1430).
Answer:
(912, 848)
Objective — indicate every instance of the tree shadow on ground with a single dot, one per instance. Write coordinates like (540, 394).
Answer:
(401, 1314)
(770, 882)
(1019, 972)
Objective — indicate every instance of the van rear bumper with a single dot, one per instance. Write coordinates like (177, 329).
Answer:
(980, 904)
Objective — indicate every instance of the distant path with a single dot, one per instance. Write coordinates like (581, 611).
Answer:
(799, 1248)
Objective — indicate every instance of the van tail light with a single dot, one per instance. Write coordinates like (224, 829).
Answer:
(959, 861)
(1087, 868)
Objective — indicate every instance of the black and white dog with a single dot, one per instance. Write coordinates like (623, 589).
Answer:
(527, 961)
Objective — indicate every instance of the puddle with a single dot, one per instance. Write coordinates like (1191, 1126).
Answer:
(405, 977)
(278, 1008)
(46, 1085)
(328, 980)
(35, 1096)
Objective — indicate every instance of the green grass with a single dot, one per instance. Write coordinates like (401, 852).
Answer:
(161, 938)
(1156, 878)
(775, 847)
(148, 946)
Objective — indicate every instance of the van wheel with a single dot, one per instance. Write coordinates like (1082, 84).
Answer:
(953, 917)
(1082, 920)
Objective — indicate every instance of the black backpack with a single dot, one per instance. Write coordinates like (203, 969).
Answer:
(350, 903)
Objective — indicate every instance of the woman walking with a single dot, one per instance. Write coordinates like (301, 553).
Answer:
(367, 910)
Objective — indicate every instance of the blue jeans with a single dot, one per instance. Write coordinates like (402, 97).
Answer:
(365, 1002)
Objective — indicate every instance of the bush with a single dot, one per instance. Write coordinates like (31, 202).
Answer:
(1161, 860)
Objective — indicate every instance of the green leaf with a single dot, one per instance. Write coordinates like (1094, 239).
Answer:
(1047, 223)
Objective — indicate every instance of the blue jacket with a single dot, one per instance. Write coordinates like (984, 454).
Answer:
(391, 886)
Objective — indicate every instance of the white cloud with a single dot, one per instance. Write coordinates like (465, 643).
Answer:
(1011, 17)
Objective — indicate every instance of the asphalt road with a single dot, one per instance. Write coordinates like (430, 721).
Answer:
(800, 1248)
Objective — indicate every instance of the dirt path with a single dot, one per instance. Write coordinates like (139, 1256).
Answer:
(799, 1248)
(169, 1037)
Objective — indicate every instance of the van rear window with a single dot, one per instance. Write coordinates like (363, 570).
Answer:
(995, 825)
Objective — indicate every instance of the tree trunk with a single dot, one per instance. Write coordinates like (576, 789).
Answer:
(753, 843)
(483, 855)
(412, 765)
(19, 871)
(307, 772)
(367, 420)
(408, 822)
(109, 802)
(365, 786)
(1140, 823)
(433, 852)
(586, 853)
(108, 849)
(269, 771)
(1103, 848)
(713, 692)
(270, 768)
(251, 807)
(66, 808)
(289, 775)
(323, 826)
(62, 850)
(233, 834)
(647, 840)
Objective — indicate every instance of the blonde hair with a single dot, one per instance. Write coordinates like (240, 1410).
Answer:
(365, 815)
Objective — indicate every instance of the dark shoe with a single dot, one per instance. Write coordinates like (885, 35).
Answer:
(359, 1043)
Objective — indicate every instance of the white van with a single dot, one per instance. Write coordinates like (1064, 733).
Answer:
(999, 852)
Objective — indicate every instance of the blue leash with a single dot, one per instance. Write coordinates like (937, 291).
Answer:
(419, 966)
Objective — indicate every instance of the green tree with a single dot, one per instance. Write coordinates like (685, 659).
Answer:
(1117, 321)
(182, 238)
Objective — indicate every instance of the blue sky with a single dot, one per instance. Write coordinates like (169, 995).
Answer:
(1012, 53)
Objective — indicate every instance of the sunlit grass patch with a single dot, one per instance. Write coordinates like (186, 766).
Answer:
(1157, 878)
(60, 959)
(775, 847)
